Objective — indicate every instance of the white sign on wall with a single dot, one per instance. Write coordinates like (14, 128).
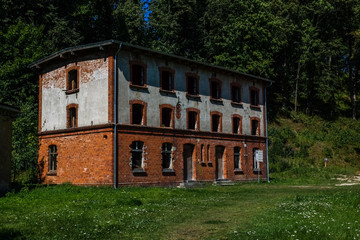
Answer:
(259, 155)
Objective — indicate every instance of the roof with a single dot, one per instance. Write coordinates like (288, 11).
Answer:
(121, 45)
(7, 110)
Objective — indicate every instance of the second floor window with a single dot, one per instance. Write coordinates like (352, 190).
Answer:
(192, 82)
(137, 73)
(254, 97)
(215, 88)
(255, 127)
(166, 117)
(137, 114)
(216, 123)
(166, 79)
(236, 93)
(192, 120)
(72, 116)
(236, 125)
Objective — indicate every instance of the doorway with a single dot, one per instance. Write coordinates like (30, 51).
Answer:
(188, 152)
(219, 155)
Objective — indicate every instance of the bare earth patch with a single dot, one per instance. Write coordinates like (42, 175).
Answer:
(348, 181)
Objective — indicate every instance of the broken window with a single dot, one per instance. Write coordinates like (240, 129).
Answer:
(72, 116)
(138, 76)
(237, 158)
(166, 156)
(192, 120)
(52, 158)
(192, 85)
(236, 125)
(235, 94)
(166, 117)
(215, 88)
(254, 97)
(215, 123)
(167, 80)
(137, 114)
(255, 127)
(137, 155)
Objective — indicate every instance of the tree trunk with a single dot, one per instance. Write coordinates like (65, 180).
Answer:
(297, 85)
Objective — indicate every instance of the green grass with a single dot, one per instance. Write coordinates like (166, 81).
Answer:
(243, 211)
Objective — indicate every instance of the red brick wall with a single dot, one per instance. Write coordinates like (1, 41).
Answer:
(84, 157)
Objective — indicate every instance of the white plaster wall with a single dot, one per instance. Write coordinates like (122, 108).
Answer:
(92, 99)
(154, 98)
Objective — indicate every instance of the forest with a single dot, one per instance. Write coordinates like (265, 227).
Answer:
(311, 49)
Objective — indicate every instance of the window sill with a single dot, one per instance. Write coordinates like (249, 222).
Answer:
(51, 173)
(68, 92)
(216, 100)
(236, 104)
(193, 97)
(255, 107)
(168, 170)
(257, 170)
(167, 92)
(238, 170)
(138, 87)
(139, 170)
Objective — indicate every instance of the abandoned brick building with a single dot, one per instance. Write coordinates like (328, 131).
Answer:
(116, 113)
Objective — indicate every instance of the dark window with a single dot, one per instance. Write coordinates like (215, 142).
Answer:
(166, 80)
(235, 94)
(202, 153)
(192, 120)
(236, 125)
(215, 90)
(52, 158)
(137, 114)
(137, 154)
(192, 85)
(254, 127)
(254, 97)
(72, 117)
(138, 75)
(237, 158)
(72, 78)
(215, 126)
(166, 115)
(166, 155)
(208, 153)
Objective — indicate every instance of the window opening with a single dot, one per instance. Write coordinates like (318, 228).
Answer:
(208, 153)
(237, 158)
(52, 158)
(254, 127)
(137, 114)
(192, 85)
(166, 114)
(236, 125)
(215, 123)
(137, 155)
(72, 78)
(72, 114)
(166, 156)
(235, 93)
(192, 120)
(215, 90)
(254, 97)
(166, 80)
(138, 75)
(202, 153)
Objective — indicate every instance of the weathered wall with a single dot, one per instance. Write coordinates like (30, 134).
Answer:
(154, 98)
(84, 157)
(92, 98)
(5, 153)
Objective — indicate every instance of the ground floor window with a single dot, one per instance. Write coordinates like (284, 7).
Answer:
(166, 156)
(52, 158)
(237, 158)
(137, 155)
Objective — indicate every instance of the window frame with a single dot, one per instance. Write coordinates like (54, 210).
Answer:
(52, 159)
(196, 77)
(69, 89)
(239, 131)
(253, 90)
(219, 82)
(172, 73)
(69, 123)
(132, 63)
(137, 150)
(258, 126)
(236, 85)
(256, 164)
(197, 124)
(172, 119)
(169, 152)
(239, 168)
(219, 114)
(144, 112)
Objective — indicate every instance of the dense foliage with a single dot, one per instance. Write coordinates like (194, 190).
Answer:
(310, 48)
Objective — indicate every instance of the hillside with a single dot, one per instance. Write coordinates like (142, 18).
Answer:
(299, 144)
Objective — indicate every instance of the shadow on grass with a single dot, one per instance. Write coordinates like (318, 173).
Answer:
(10, 234)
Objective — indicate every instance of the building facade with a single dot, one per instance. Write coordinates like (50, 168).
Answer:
(115, 113)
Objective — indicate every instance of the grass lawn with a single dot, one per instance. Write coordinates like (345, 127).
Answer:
(243, 211)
